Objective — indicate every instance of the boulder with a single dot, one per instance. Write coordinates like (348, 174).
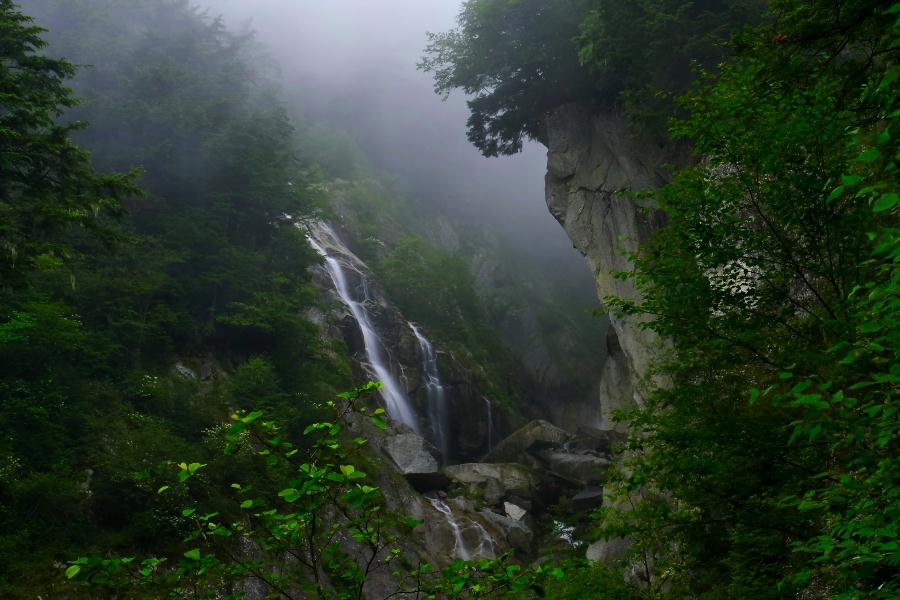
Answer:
(588, 498)
(514, 511)
(597, 440)
(516, 533)
(608, 551)
(493, 481)
(579, 468)
(535, 435)
(414, 456)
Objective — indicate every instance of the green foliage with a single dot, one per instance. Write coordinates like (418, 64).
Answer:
(432, 285)
(322, 536)
(644, 53)
(205, 269)
(437, 287)
(47, 184)
(767, 467)
(516, 58)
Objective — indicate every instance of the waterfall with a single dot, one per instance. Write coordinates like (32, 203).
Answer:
(459, 547)
(434, 394)
(397, 403)
(487, 547)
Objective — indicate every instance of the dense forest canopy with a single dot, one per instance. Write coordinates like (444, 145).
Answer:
(161, 239)
(518, 60)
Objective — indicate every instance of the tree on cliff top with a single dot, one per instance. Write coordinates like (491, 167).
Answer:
(516, 58)
(519, 59)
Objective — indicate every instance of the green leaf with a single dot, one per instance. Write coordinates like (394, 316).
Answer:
(289, 495)
(379, 422)
(252, 417)
(835, 194)
(869, 155)
(886, 202)
(193, 554)
(73, 571)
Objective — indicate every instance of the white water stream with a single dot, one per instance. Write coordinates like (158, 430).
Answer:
(459, 547)
(396, 401)
(435, 394)
(486, 544)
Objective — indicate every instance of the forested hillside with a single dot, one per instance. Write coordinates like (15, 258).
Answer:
(183, 414)
(109, 280)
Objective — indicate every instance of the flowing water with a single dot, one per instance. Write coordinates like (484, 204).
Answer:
(459, 546)
(487, 547)
(435, 395)
(396, 401)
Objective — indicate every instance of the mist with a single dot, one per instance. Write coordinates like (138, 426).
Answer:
(351, 65)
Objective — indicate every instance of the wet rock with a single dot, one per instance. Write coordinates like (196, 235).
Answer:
(412, 454)
(493, 481)
(608, 551)
(428, 482)
(516, 533)
(588, 498)
(513, 511)
(535, 435)
(578, 468)
(604, 441)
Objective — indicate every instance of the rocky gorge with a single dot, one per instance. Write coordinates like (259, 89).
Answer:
(482, 478)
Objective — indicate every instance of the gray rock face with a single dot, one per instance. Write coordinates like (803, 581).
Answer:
(516, 532)
(514, 511)
(412, 454)
(592, 160)
(535, 434)
(493, 481)
(579, 468)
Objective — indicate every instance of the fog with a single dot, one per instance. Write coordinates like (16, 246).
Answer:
(351, 64)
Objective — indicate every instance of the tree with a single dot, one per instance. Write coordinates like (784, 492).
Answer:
(768, 467)
(47, 183)
(517, 58)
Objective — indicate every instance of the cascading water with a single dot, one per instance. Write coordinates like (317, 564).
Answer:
(487, 547)
(459, 547)
(435, 395)
(397, 403)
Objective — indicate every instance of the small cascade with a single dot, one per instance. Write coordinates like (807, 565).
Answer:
(397, 403)
(435, 395)
(487, 547)
(459, 547)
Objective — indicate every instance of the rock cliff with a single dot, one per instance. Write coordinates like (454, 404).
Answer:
(593, 162)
